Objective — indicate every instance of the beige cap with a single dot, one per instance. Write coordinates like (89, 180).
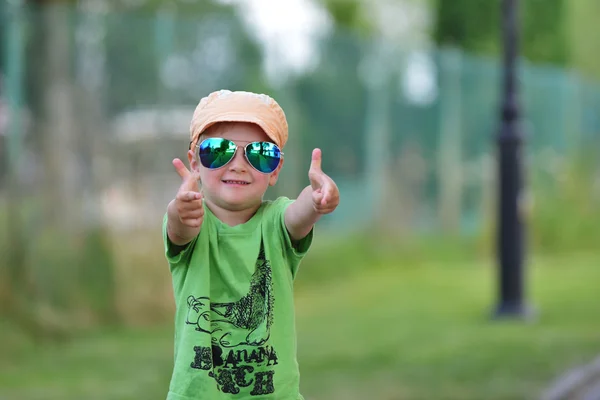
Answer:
(228, 106)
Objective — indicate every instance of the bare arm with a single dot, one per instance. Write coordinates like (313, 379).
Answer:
(321, 197)
(300, 216)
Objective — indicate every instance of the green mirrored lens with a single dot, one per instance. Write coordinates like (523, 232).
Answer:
(264, 156)
(216, 152)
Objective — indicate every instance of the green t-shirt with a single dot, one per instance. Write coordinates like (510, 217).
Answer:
(235, 334)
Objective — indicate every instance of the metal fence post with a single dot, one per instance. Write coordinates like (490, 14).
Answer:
(511, 202)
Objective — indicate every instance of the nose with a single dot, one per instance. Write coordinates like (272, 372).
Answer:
(238, 163)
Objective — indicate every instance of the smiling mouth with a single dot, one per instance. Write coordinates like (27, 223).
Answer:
(233, 182)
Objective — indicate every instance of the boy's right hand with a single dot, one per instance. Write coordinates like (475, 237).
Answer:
(188, 201)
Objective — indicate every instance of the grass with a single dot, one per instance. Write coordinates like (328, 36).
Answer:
(426, 333)
(418, 331)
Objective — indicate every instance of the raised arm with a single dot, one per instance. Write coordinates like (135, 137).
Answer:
(321, 197)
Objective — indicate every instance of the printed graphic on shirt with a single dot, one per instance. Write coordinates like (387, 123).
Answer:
(233, 327)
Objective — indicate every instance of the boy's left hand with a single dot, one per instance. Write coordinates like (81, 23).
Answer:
(325, 195)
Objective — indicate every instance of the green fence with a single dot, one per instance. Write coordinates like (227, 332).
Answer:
(100, 103)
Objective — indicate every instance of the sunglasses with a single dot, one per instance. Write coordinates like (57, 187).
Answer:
(215, 153)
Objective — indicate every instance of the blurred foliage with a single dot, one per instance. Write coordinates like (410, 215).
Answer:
(561, 210)
(191, 39)
(56, 283)
(350, 15)
(179, 7)
(556, 32)
(583, 31)
(370, 251)
(553, 31)
(544, 31)
(469, 24)
(566, 216)
(475, 25)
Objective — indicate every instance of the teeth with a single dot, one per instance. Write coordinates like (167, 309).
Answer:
(237, 182)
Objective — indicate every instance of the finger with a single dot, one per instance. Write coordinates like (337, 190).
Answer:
(192, 214)
(181, 169)
(192, 222)
(189, 195)
(190, 184)
(331, 194)
(190, 206)
(325, 208)
(324, 211)
(317, 197)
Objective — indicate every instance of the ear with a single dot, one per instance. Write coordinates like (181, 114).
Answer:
(194, 165)
(275, 174)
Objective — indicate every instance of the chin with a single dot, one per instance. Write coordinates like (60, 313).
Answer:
(239, 204)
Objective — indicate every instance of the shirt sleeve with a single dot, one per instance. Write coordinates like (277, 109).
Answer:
(175, 258)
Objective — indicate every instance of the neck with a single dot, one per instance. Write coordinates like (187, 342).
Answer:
(232, 217)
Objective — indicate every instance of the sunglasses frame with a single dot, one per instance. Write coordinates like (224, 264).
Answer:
(245, 155)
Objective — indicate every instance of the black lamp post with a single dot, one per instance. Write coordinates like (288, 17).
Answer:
(510, 162)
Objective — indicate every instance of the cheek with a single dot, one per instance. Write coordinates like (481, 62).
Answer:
(261, 179)
(209, 177)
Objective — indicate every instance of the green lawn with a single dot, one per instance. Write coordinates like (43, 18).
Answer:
(395, 332)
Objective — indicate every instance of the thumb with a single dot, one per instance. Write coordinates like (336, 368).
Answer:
(315, 172)
(316, 160)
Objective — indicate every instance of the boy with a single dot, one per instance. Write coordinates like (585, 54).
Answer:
(233, 257)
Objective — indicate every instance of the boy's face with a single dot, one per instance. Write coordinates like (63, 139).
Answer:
(237, 185)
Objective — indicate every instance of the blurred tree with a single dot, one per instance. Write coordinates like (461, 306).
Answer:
(544, 31)
(474, 25)
(181, 7)
(470, 24)
(3, 25)
(50, 94)
(350, 15)
(142, 50)
(168, 57)
(583, 32)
